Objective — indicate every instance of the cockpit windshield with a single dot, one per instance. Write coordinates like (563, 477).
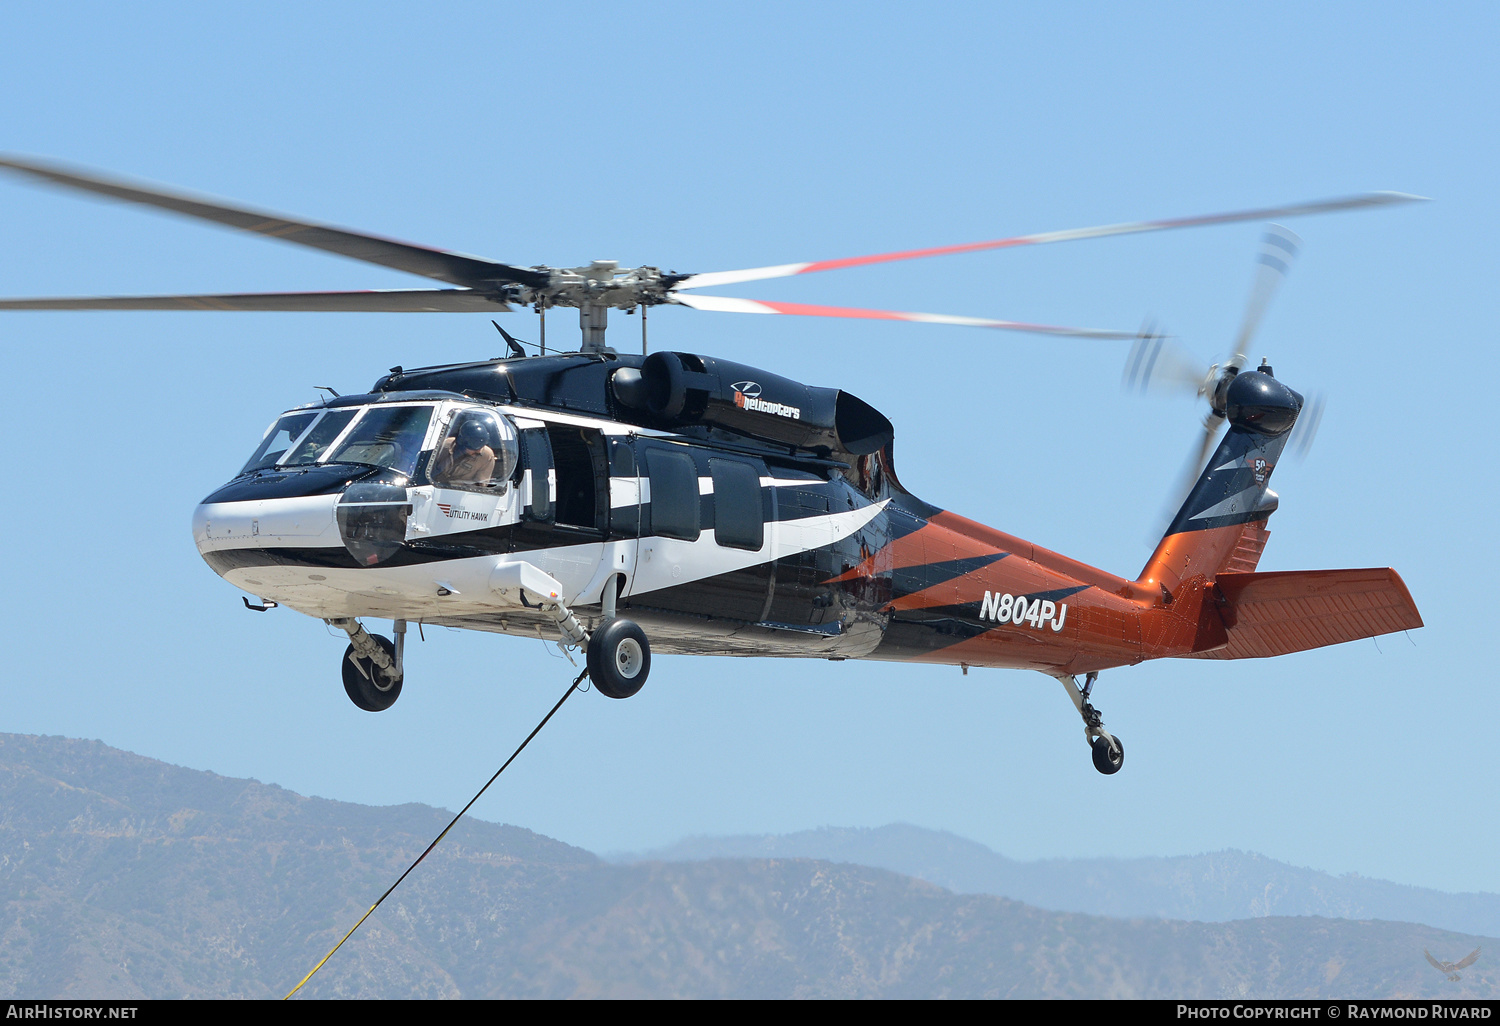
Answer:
(386, 436)
(475, 448)
(279, 439)
(311, 446)
(378, 436)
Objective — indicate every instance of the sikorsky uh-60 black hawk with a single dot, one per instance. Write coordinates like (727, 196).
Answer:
(681, 503)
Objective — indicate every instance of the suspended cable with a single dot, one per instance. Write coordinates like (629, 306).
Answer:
(435, 841)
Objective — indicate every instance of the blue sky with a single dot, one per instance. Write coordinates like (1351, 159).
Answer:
(699, 138)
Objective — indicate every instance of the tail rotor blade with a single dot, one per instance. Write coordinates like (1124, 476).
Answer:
(1278, 248)
(1300, 444)
(1212, 422)
(1159, 363)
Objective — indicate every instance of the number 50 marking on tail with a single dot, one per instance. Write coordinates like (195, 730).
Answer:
(1009, 608)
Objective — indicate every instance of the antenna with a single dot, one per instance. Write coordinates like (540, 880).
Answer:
(515, 347)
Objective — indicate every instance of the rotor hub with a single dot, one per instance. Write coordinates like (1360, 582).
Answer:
(601, 284)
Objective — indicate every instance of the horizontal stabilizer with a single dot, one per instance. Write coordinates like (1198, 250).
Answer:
(1271, 614)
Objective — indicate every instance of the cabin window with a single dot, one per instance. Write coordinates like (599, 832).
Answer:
(624, 490)
(737, 514)
(621, 458)
(674, 494)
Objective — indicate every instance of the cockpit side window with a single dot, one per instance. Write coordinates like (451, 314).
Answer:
(312, 445)
(479, 452)
(386, 436)
(279, 439)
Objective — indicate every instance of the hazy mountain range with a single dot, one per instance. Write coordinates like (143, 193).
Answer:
(124, 877)
(1216, 887)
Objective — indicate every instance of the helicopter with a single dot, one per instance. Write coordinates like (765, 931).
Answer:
(680, 503)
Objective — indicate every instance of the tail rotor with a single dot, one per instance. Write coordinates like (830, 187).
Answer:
(1307, 425)
(1159, 364)
(1278, 249)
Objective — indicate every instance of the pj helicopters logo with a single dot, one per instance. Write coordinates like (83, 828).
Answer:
(747, 397)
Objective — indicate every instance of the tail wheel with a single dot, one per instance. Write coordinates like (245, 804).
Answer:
(1108, 760)
(368, 686)
(619, 658)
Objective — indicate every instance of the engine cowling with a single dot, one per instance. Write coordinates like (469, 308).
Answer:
(682, 388)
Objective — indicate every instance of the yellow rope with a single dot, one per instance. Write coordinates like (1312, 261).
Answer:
(435, 841)
(340, 944)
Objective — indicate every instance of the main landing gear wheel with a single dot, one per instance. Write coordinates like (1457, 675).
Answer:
(619, 658)
(1106, 759)
(368, 686)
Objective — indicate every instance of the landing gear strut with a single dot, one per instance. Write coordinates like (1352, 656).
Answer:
(1109, 753)
(619, 657)
(372, 665)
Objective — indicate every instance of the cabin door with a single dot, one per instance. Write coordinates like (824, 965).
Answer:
(626, 519)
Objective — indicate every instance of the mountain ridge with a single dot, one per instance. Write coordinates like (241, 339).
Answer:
(123, 877)
(1219, 886)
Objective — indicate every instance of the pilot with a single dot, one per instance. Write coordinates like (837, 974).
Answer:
(465, 458)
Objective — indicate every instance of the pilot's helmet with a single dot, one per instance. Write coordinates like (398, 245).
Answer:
(472, 435)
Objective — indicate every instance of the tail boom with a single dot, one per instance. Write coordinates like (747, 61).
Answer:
(958, 592)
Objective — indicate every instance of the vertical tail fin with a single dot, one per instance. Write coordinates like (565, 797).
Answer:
(1222, 524)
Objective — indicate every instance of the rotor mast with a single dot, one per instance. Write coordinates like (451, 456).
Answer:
(593, 318)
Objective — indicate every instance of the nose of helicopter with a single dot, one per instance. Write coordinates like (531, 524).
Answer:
(223, 528)
(272, 510)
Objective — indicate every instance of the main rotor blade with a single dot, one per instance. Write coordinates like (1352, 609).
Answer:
(374, 301)
(455, 268)
(726, 304)
(1369, 199)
